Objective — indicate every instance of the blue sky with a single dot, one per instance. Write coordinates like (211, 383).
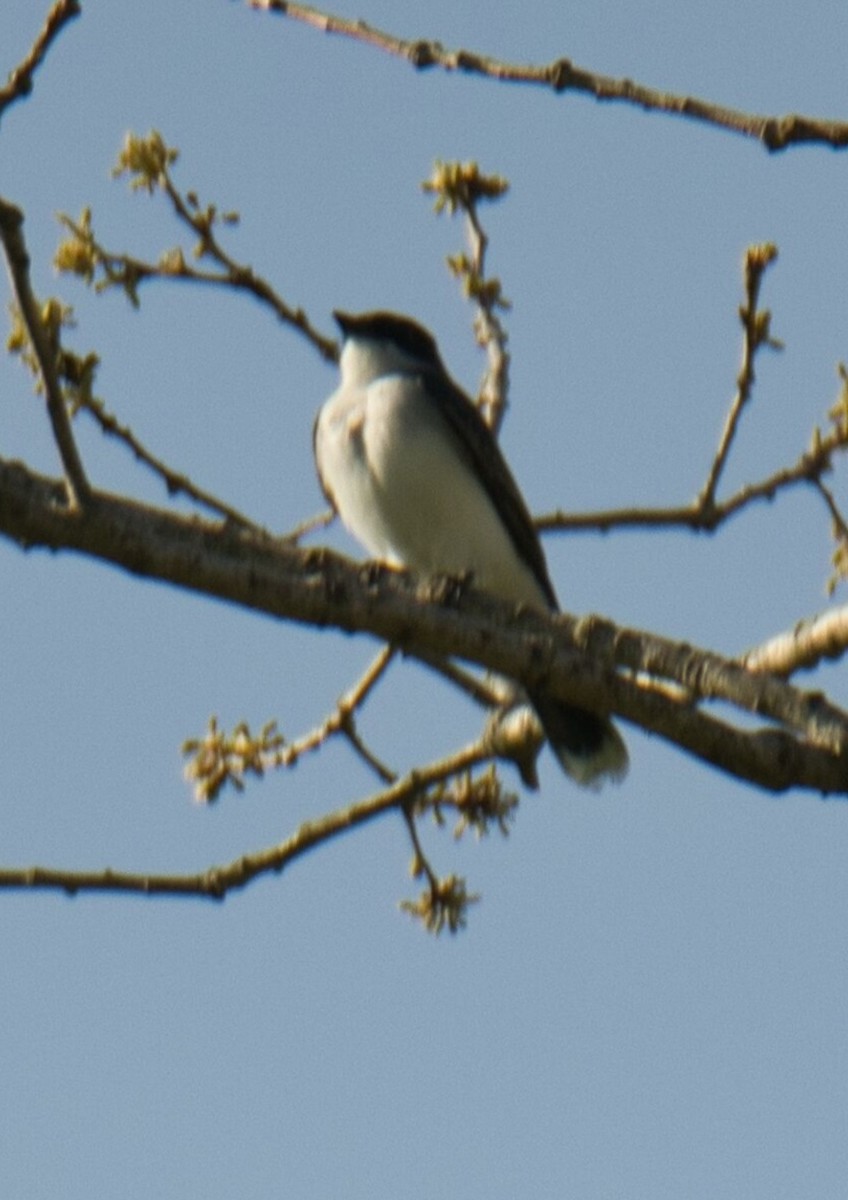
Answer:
(650, 997)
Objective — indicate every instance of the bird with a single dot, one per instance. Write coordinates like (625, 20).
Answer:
(407, 461)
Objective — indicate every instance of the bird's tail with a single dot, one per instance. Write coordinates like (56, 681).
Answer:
(589, 748)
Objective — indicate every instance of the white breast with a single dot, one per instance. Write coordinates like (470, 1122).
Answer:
(404, 489)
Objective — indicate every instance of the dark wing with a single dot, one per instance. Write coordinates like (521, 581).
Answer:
(478, 444)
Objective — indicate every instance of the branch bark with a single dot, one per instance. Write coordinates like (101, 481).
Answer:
(215, 882)
(562, 75)
(588, 662)
(11, 234)
(812, 640)
(19, 83)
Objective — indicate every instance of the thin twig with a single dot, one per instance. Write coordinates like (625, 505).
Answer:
(19, 83)
(486, 692)
(488, 328)
(242, 277)
(350, 704)
(462, 186)
(705, 512)
(755, 325)
(384, 773)
(218, 758)
(319, 521)
(839, 525)
(176, 482)
(215, 882)
(17, 258)
(561, 75)
(807, 470)
(127, 271)
(421, 864)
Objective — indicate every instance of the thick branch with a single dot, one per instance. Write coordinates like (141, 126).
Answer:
(586, 662)
(561, 75)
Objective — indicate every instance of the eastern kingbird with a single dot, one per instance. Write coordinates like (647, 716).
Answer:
(416, 475)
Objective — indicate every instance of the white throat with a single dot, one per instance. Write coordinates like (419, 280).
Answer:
(365, 359)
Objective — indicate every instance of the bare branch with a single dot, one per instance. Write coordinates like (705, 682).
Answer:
(342, 721)
(11, 233)
(215, 882)
(589, 662)
(420, 862)
(705, 513)
(840, 528)
(479, 800)
(756, 334)
(219, 758)
(444, 902)
(350, 731)
(463, 186)
(810, 465)
(824, 636)
(319, 521)
(241, 276)
(19, 83)
(175, 481)
(148, 161)
(561, 75)
(487, 693)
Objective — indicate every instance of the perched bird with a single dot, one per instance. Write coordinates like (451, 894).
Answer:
(416, 475)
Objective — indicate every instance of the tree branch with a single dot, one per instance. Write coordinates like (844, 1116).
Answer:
(463, 186)
(11, 226)
(148, 160)
(215, 882)
(175, 482)
(705, 512)
(19, 83)
(589, 662)
(810, 465)
(815, 638)
(219, 758)
(756, 333)
(561, 75)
